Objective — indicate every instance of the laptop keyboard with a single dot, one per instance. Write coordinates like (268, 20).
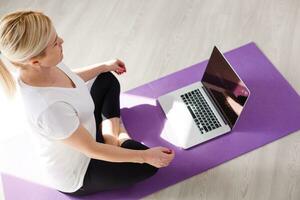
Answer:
(203, 116)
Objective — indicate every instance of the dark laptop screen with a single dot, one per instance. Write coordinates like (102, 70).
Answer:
(227, 89)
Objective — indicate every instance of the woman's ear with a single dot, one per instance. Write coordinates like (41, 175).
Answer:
(33, 62)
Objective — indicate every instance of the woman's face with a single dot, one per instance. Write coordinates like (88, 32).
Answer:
(53, 52)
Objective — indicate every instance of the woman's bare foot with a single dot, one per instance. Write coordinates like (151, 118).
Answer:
(110, 131)
(123, 135)
(114, 132)
(110, 139)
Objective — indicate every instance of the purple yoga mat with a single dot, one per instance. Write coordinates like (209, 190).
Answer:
(263, 121)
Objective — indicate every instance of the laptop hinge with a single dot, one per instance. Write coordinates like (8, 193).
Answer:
(219, 110)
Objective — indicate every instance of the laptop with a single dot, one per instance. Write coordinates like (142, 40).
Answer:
(206, 109)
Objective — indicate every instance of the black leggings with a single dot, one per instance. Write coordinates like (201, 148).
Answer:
(102, 175)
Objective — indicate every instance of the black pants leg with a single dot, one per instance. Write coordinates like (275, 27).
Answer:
(102, 175)
(105, 93)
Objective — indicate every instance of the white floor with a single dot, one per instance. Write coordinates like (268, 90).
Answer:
(156, 38)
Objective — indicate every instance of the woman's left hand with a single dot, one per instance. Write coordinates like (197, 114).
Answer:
(116, 65)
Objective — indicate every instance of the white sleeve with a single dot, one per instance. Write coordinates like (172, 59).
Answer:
(58, 121)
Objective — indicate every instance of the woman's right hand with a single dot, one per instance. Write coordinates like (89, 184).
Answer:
(116, 65)
(158, 156)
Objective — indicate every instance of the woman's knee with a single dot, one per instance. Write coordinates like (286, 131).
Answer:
(132, 144)
(149, 170)
(105, 81)
(111, 79)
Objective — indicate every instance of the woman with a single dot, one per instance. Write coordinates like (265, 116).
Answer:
(77, 132)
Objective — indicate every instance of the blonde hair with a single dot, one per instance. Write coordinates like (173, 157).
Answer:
(23, 35)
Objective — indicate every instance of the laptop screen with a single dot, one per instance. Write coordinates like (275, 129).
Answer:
(228, 91)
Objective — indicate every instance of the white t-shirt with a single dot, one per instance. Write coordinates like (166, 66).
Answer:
(54, 113)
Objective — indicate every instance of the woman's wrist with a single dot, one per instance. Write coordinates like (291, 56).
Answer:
(142, 156)
(105, 67)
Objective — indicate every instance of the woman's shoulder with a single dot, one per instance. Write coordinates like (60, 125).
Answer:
(36, 101)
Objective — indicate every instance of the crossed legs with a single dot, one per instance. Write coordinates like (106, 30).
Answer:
(103, 175)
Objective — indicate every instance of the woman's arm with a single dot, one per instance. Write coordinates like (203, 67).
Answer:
(89, 72)
(82, 141)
